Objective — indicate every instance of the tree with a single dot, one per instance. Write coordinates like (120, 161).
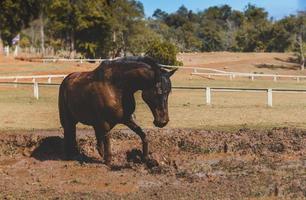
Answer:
(180, 28)
(14, 16)
(163, 52)
(43, 6)
(300, 35)
(213, 28)
(254, 34)
(126, 17)
(139, 38)
(281, 35)
(64, 21)
(81, 25)
(160, 15)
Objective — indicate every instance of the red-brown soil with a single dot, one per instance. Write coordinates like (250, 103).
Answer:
(192, 164)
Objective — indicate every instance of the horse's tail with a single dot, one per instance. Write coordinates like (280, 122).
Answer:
(62, 103)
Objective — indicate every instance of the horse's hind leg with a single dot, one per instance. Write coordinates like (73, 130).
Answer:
(70, 143)
(103, 142)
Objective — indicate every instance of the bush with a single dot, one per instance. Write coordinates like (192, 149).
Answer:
(163, 52)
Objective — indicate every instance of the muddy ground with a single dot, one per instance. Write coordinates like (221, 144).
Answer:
(190, 164)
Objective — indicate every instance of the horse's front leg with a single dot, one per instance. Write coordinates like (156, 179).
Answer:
(145, 145)
(103, 142)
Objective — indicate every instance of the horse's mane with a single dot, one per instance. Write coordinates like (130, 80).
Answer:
(128, 62)
(143, 59)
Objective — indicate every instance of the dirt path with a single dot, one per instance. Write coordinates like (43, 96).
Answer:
(192, 164)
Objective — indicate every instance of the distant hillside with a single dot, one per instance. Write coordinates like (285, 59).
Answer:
(268, 63)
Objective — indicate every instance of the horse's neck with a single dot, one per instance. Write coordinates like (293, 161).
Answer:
(133, 79)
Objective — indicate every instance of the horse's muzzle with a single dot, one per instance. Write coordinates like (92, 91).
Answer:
(160, 124)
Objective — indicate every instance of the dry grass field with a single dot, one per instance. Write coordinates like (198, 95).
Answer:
(229, 111)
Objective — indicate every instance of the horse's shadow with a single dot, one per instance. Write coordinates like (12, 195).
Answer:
(52, 148)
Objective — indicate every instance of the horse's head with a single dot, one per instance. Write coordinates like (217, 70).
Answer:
(157, 97)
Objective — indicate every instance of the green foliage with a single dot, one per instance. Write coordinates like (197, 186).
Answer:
(163, 52)
(24, 41)
(140, 38)
(81, 25)
(111, 28)
(15, 15)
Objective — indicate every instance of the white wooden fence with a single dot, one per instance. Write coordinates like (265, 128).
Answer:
(33, 78)
(208, 90)
(268, 91)
(34, 84)
(8, 80)
(232, 75)
(81, 60)
(198, 71)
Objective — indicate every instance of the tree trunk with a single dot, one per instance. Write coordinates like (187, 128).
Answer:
(72, 20)
(1, 47)
(303, 63)
(72, 44)
(114, 36)
(300, 43)
(7, 50)
(42, 33)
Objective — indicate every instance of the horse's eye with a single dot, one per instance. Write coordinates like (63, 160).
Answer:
(159, 91)
(158, 88)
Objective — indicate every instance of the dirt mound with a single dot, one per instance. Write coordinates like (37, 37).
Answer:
(186, 164)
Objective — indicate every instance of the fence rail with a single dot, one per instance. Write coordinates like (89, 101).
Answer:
(233, 75)
(81, 60)
(33, 78)
(208, 90)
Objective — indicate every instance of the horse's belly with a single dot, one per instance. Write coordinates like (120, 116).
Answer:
(94, 113)
(94, 103)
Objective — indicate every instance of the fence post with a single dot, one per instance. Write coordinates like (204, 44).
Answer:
(36, 91)
(16, 80)
(274, 78)
(49, 80)
(270, 99)
(208, 96)
(6, 50)
(231, 76)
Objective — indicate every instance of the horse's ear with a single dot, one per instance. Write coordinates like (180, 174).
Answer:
(170, 73)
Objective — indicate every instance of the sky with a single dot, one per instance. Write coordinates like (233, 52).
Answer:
(276, 8)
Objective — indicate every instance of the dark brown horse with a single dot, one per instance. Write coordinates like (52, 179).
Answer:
(104, 97)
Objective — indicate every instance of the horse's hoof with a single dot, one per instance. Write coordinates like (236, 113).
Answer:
(108, 166)
(70, 156)
(151, 163)
(108, 163)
